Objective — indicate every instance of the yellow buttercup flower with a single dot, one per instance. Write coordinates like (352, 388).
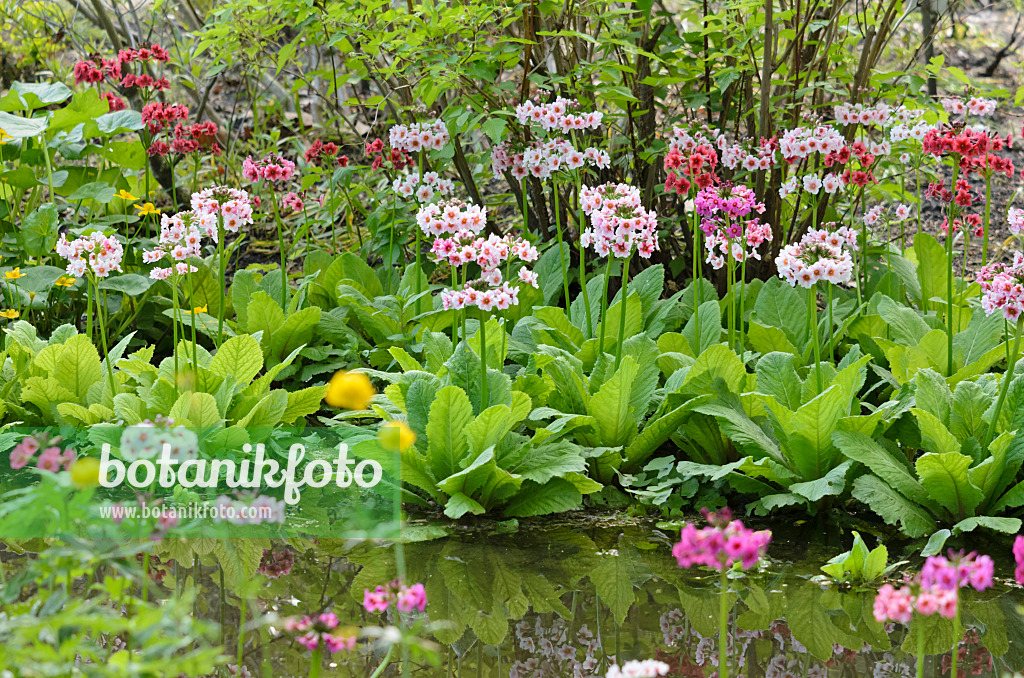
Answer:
(125, 195)
(349, 391)
(66, 281)
(146, 209)
(197, 309)
(10, 314)
(14, 274)
(85, 472)
(396, 436)
(4, 136)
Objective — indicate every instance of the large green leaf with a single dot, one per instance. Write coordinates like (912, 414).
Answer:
(779, 305)
(610, 406)
(710, 316)
(932, 269)
(78, 365)
(238, 357)
(489, 427)
(863, 449)
(776, 376)
(832, 483)
(450, 414)
(945, 478)
(717, 362)
(810, 436)
(298, 329)
(555, 496)
(892, 507)
(656, 432)
(935, 437)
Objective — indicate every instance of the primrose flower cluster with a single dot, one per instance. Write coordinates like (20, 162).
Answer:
(618, 221)
(935, 589)
(437, 219)
(52, 458)
(96, 252)
(724, 542)
(181, 234)
(321, 631)
(271, 168)
(820, 255)
(419, 136)
(1002, 287)
(557, 116)
(543, 158)
(147, 440)
(975, 106)
(405, 598)
(490, 291)
(555, 651)
(423, 190)
(724, 210)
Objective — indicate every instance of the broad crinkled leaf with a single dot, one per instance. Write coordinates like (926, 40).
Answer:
(863, 449)
(450, 414)
(239, 357)
(945, 478)
(892, 507)
(610, 406)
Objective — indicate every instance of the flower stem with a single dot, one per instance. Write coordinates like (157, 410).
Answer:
(583, 264)
(561, 250)
(483, 362)
(957, 633)
(241, 631)
(314, 663)
(730, 291)
(723, 624)
(949, 280)
(988, 211)
(831, 347)
(222, 268)
(622, 315)
(812, 320)
(743, 297)
(604, 306)
(102, 319)
(1005, 386)
(284, 256)
(696, 287)
(920, 647)
(384, 662)
(419, 271)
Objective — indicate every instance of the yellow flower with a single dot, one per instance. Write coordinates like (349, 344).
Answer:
(65, 281)
(14, 274)
(4, 136)
(148, 208)
(10, 314)
(125, 195)
(85, 472)
(396, 436)
(197, 309)
(350, 391)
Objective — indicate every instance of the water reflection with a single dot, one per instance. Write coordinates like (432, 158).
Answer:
(569, 603)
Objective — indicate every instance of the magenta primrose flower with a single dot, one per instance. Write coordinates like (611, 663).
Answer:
(1018, 555)
(406, 598)
(898, 605)
(958, 571)
(723, 543)
(321, 631)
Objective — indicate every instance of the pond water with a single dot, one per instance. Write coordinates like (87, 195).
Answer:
(571, 600)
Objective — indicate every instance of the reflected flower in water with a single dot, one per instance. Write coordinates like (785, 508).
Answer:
(647, 668)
